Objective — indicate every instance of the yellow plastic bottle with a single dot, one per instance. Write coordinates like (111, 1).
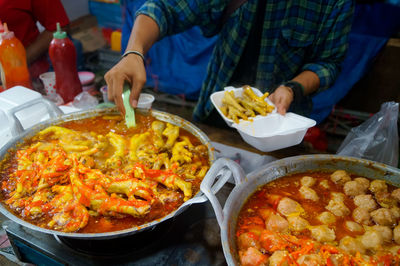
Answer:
(116, 41)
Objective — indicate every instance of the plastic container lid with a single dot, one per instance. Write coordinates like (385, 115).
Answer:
(145, 101)
(86, 77)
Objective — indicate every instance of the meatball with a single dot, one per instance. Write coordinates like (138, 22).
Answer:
(378, 186)
(353, 227)
(322, 233)
(371, 239)
(307, 181)
(351, 245)
(383, 216)
(337, 196)
(310, 260)
(361, 215)
(366, 202)
(324, 184)
(396, 234)
(247, 240)
(395, 212)
(385, 199)
(385, 232)
(363, 182)
(269, 240)
(276, 223)
(279, 258)
(326, 218)
(338, 208)
(353, 188)
(340, 177)
(308, 193)
(288, 207)
(265, 212)
(298, 223)
(252, 256)
(396, 194)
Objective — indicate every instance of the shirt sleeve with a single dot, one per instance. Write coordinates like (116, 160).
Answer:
(175, 16)
(49, 12)
(331, 46)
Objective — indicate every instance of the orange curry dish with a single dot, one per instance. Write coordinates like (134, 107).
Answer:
(320, 218)
(95, 175)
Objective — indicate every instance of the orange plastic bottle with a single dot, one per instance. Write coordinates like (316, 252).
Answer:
(13, 66)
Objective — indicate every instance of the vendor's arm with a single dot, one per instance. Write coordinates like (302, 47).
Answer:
(283, 96)
(39, 47)
(156, 19)
(328, 51)
(145, 33)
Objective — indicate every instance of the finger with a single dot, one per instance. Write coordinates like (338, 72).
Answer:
(281, 110)
(135, 91)
(279, 106)
(117, 94)
(109, 87)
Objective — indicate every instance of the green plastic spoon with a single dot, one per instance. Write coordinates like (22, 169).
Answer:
(130, 119)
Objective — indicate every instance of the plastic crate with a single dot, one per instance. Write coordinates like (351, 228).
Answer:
(109, 15)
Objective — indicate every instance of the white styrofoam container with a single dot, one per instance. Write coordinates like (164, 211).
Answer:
(266, 133)
(216, 99)
(28, 117)
(274, 132)
(17, 96)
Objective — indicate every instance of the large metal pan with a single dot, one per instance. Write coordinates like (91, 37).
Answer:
(245, 186)
(57, 117)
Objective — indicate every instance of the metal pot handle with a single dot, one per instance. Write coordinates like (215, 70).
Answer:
(207, 187)
(223, 174)
(16, 126)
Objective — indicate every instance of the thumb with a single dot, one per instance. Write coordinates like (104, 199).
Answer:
(281, 109)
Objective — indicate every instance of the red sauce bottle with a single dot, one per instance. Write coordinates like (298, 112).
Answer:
(14, 69)
(63, 57)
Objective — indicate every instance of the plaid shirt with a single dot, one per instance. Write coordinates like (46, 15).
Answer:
(297, 35)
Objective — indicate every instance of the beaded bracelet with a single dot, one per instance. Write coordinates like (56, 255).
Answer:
(133, 52)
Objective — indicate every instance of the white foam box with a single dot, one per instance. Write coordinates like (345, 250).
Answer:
(28, 117)
(266, 133)
(274, 132)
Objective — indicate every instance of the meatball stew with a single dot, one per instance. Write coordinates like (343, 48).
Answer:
(320, 218)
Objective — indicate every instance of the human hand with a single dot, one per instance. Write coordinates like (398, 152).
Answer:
(130, 69)
(282, 97)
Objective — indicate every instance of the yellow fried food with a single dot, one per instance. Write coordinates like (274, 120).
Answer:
(245, 107)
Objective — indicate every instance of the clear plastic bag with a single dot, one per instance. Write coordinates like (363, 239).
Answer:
(85, 101)
(376, 139)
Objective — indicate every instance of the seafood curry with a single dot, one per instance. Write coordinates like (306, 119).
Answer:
(96, 175)
(320, 219)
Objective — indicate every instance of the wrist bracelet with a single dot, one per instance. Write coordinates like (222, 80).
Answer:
(297, 88)
(133, 52)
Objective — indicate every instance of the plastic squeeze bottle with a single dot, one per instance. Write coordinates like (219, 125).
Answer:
(13, 65)
(63, 57)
